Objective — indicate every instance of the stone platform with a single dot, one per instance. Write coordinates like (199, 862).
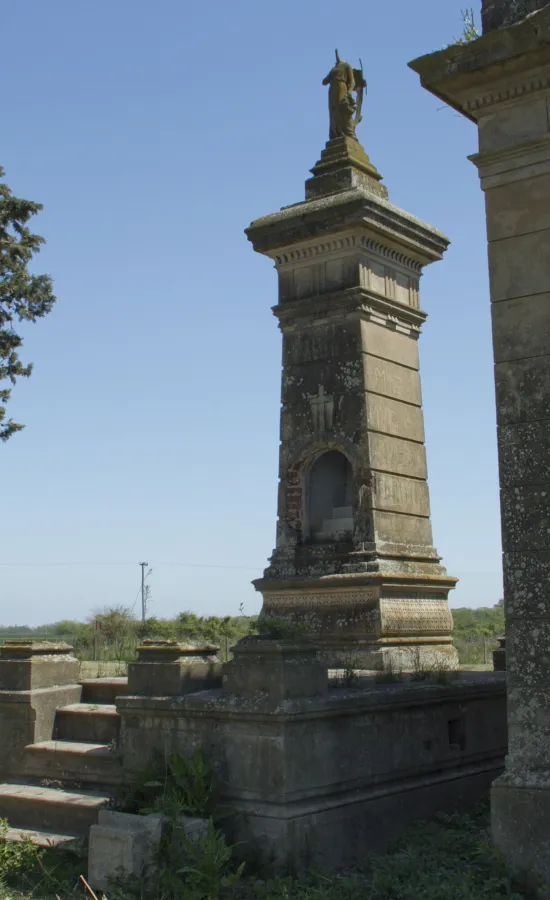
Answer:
(321, 774)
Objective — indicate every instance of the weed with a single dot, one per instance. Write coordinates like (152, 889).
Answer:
(390, 674)
(38, 871)
(281, 629)
(172, 784)
(449, 858)
(349, 676)
(206, 868)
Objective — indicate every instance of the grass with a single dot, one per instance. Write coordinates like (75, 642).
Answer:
(27, 871)
(102, 669)
(449, 858)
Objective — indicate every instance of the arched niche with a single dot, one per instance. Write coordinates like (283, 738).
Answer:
(329, 498)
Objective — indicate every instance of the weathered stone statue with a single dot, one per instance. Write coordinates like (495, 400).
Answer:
(344, 110)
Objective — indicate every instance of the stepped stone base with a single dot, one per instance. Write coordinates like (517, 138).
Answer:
(40, 800)
(82, 762)
(369, 620)
(407, 658)
(30, 805)
(324, 774)
(44, 839)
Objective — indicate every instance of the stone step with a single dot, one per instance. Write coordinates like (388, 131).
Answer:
(31, 806)
(103, 690)
(97, 723)
(38, 838)
(73, 761)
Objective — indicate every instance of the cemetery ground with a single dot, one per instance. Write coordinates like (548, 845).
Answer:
(450, 858)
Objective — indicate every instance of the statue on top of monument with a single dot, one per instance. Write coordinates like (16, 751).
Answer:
(344, 109)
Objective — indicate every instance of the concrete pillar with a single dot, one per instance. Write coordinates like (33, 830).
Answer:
(502, 82)
(35, 679)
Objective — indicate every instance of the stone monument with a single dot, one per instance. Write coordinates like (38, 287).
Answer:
(502, 82)
(354, 564)
(500, 13)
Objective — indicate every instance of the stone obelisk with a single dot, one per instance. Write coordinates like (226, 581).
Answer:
(354, 563)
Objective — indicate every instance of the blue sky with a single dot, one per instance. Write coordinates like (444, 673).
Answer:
(154, 133)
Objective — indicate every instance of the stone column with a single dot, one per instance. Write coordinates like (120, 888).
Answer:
(35, 679)
(502, 82)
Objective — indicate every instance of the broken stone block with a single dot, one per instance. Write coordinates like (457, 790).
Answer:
(190, 828)
(121, 844)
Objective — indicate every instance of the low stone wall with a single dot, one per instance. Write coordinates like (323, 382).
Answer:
(325, 779)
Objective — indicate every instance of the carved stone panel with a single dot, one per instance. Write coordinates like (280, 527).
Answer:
(287, 600)
(417, 615)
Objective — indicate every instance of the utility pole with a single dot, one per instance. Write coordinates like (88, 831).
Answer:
(143, 603)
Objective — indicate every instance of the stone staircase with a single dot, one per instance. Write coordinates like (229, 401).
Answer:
(59, 785)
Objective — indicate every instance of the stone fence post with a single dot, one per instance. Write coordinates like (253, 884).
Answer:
(499, 656)
(275, 671)
(171, 669)
(35, 679)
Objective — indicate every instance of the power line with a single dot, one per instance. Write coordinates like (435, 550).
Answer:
(184, 565)
(165, 564)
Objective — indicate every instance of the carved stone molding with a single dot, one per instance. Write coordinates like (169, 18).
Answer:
(509, 93)
(288, 256)
(323, 599)
(361, 302)
(527, 160)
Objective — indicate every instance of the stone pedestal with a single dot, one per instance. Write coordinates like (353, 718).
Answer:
(502, 82)
(170, 669)
(275, 671)
(35, 679)
(354, 560)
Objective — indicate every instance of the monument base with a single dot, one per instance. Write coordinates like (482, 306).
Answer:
(368, 620)
(520, 818)
(391, 659)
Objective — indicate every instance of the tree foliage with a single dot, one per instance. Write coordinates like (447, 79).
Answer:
(24, 297)
(484, 620)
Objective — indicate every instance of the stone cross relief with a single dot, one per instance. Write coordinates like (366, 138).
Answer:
(322, 410)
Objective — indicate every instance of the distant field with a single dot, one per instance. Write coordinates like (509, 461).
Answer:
(102, 669)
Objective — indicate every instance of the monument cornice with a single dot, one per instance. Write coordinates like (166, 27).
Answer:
(309, 251)
(491, 70)
(519, 86)
(276, 234)
(353, 580)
